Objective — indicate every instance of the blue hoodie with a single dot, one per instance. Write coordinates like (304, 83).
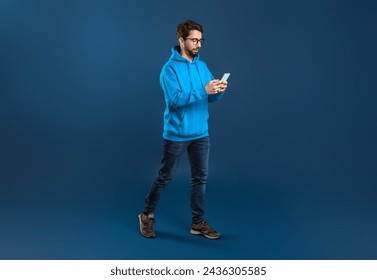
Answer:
(183, 83)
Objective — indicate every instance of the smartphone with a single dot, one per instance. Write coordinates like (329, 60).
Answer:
(225, 76)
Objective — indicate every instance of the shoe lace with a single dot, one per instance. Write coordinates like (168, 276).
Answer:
(207, 228)
(149, 224)
(204, 225)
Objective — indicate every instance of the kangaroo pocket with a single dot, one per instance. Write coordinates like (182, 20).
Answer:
(194, 121)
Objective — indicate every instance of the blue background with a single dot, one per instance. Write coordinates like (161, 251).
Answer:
(293, 154)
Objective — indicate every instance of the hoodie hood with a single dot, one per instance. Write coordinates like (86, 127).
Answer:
(175, 55)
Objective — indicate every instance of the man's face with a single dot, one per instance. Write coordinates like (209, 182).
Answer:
(192, 44)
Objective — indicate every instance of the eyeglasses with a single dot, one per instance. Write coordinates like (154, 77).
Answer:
(196, 41)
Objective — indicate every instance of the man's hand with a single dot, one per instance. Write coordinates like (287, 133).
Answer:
(223, 85)
(213, 87)
(216, 86)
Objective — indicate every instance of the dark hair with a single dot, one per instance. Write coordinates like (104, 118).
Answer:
(184, 28)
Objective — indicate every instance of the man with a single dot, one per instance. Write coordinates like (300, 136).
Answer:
(188, 86)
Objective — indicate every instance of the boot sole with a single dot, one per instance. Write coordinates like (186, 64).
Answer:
(195, 232)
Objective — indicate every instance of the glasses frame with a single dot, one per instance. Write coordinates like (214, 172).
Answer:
(196, 40)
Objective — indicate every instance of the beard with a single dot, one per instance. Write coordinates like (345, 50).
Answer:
(193, 52)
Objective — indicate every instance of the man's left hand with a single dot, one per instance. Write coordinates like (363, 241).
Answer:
(223, 85)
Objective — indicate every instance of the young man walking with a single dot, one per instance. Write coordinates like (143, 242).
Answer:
(188, 87)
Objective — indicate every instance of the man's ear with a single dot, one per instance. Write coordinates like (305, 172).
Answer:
(181, 41)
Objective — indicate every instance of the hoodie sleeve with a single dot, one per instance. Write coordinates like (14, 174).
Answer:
(176, 96)
(215, 97)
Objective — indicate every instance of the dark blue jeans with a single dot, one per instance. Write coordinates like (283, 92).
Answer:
(198, 154)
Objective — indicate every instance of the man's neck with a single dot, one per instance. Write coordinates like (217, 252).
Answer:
(183, 54)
